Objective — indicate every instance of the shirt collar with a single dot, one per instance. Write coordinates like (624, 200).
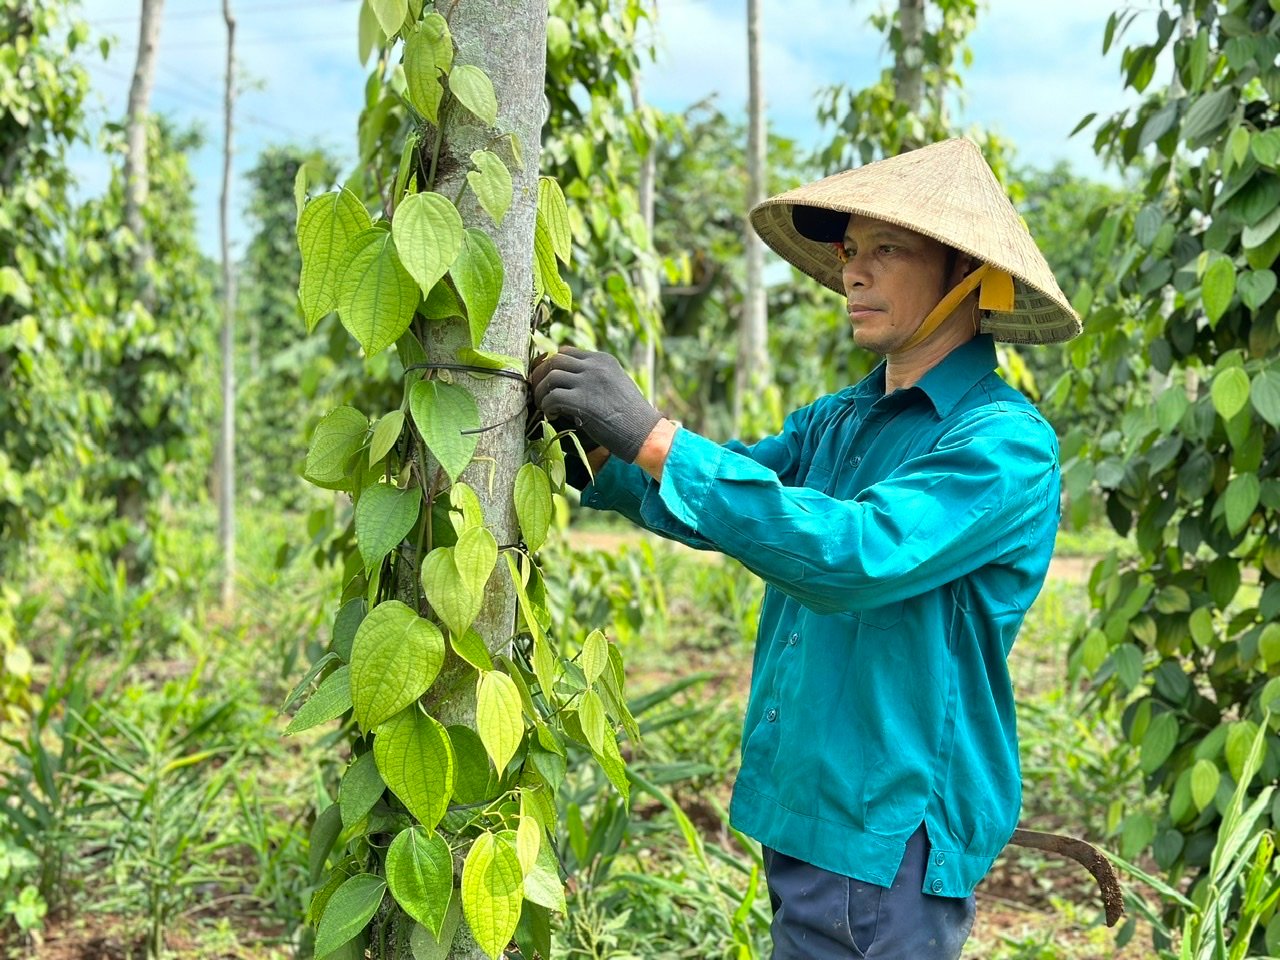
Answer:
(944, 384)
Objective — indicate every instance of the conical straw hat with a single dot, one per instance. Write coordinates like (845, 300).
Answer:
(945, 191)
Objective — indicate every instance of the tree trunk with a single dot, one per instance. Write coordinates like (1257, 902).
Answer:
(510, 46)
(646, 354)
(753, 373)
(135, 158)
(130, 496)
(908, 70)
(227, 440)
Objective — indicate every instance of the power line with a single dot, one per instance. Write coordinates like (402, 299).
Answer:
(197, 14)
(204, 105)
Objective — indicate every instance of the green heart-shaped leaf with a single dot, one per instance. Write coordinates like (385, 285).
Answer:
(1217, 288)
(337, 437)
(428, 232)
(360, 789)
(1255, 287)
(325, 228)
(415, 759)
(384, 517)
(441, 412)
(376, 295)
(331, 700)
(395, 659)
(420, 875)
(350, 908)
(1265, 396)
(478, 275)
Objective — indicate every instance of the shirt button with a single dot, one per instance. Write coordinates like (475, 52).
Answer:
(855, 461)
(939, 859)
(937, 886)
(771, 715)
(793, 639)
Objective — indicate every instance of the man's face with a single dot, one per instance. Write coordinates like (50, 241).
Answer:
(892, 279)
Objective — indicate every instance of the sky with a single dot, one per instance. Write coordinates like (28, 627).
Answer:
(1038, 70)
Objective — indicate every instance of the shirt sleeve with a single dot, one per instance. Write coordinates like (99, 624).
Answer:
(984, 488)
(630, 491)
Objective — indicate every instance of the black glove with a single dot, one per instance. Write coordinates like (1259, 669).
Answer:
(593, 391)
(576, 472)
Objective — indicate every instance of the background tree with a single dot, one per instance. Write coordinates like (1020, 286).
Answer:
(227, 435)
(753, 367)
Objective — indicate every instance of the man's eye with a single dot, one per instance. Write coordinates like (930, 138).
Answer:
(887, 248)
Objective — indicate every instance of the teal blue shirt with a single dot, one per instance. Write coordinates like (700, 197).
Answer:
(902, 539)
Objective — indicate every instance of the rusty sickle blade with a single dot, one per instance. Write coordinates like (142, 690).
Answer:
(1085, 854)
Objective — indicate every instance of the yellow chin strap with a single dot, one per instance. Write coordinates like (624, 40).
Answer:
(996, 294)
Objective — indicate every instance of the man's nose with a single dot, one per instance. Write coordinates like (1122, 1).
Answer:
(854, 273)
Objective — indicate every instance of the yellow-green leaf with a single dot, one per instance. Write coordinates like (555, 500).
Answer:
(498, 717)
(595, 655)
(326, 226)
(449, 590)
(554, 213)
(394, 660)
(533, 505)
(1205, 777)
(528, 842)
(376, 295)
(542, 884)
(470, 647)
(492, 888)
(1230, 392)
(415, 759)
(546, 270)
(491, 182)
(594, 723)
(474, 90)
(390, 14)
(385, 435)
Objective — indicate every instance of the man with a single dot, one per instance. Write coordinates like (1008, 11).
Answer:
(903, 526)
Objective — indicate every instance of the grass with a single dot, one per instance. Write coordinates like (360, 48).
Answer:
(672, 880)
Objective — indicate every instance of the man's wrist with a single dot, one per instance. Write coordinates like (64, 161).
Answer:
(653, 452)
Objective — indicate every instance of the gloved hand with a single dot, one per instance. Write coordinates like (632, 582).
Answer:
(595, 393)
(576, 472)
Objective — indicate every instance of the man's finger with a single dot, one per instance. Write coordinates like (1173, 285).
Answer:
(559, 402)
(553, 379)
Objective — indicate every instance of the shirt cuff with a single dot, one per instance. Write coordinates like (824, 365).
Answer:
(692, 465)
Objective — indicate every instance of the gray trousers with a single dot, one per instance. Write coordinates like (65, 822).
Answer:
(818, 915)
